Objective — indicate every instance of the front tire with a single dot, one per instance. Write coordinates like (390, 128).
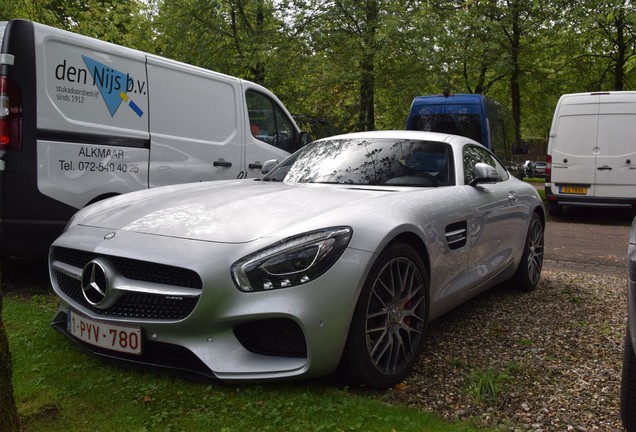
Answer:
(529, 270)
(387, 329)
(628, 385)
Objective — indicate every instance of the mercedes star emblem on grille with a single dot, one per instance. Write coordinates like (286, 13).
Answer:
(94, 282)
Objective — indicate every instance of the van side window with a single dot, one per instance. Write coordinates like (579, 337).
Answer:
(474, 155)
(268, 122)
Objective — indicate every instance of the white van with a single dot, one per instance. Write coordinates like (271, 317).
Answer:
(592, 151)
(82, 120)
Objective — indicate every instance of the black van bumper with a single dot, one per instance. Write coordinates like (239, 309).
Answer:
(554, 203)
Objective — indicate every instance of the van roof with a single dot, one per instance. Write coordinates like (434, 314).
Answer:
(463, 99)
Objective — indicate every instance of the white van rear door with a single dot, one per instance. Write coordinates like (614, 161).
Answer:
(573, 145)
(616, 159)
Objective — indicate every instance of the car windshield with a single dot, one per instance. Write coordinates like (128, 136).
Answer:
(368, 161)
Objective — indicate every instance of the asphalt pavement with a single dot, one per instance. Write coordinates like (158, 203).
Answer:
(589, 239)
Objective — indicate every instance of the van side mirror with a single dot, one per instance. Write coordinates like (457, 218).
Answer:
(484, 173)
(268, 166)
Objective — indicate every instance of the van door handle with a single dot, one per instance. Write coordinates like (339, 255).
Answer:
(222, 163)
(255, 165)
(604, 168)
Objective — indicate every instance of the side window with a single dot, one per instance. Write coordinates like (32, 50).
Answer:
(268, 122)
(474, 155)
(284, 138)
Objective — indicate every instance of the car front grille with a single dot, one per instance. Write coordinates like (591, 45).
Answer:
(131, 304)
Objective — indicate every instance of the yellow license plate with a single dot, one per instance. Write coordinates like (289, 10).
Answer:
(579, 190)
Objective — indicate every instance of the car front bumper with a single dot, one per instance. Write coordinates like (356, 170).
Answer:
(227, 334)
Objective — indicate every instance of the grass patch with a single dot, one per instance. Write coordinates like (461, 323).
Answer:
(485, 385)
(541, 194)
(534, 179)
(60, 387)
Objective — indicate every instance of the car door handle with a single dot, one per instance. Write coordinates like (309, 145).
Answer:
(512, 196)
(604, 168)
(222, 163)
(255, 165)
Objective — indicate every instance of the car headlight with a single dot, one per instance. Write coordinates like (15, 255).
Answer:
(291, 262)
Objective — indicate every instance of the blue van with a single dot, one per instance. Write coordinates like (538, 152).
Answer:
(471, 115)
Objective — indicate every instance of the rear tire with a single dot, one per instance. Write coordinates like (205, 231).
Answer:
(529, 270)
(386, 335)
(628, 385)
(553, 209)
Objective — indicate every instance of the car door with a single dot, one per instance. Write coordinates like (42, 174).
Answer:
(497, 225)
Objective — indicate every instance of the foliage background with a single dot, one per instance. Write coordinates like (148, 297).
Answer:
(359, 63)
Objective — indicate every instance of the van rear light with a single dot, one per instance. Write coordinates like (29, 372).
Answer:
(548, 169)
(10, 115)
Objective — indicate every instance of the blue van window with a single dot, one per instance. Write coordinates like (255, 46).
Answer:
(464, 124)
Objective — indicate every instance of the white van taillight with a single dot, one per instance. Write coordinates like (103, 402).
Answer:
(548, 169)
(10, 115)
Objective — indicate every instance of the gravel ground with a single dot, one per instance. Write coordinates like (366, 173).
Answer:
(557, 351)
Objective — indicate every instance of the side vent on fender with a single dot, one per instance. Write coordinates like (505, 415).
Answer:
(457, 235)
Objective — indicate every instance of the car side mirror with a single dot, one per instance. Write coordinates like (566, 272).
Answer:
(268, 166)
(484, 173)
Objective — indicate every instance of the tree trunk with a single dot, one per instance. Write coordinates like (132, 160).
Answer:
(366, 118)
(515, 91)
(8, 410)
(621, 49)
(259, 69)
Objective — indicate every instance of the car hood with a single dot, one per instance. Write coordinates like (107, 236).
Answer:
(229, 212)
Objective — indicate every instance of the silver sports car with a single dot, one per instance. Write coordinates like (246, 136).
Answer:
(335, 260)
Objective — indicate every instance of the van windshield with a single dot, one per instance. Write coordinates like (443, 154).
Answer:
(468, 125)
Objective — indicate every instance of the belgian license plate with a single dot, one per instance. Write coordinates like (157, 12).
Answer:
(579, 190)
(112, 337)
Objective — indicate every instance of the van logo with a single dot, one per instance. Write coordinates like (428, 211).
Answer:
(114, 86)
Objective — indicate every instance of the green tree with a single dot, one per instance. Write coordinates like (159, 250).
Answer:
(124, 22)
(348, 44)
(492, 42)
(237, 37)
(611, 35)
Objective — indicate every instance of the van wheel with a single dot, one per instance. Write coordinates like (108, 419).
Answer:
(553, 209)
(386, 335)
(529, 270)
(628, 385)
